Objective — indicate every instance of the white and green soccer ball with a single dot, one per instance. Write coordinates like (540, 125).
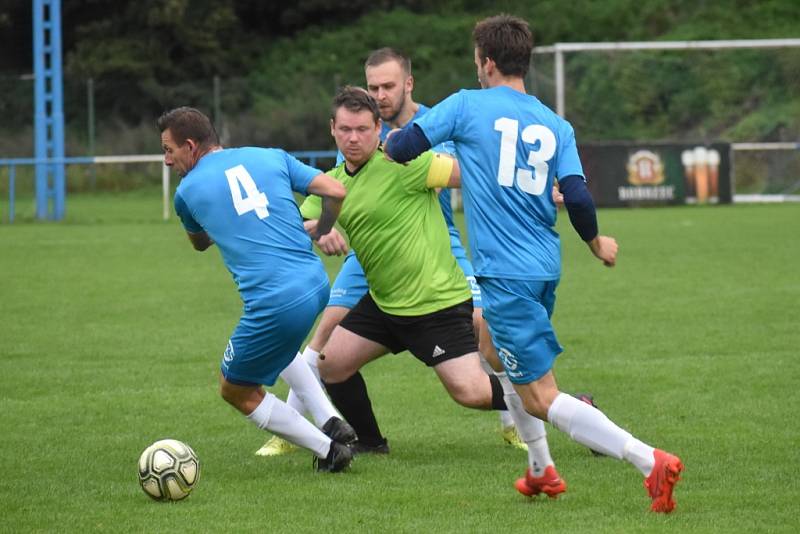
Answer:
(168, 470)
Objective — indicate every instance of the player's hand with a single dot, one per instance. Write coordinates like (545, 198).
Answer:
(558, 198)
(332, 243)
(605, 249)
(311, 229)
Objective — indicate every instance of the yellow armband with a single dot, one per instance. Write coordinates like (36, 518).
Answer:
(439, 172)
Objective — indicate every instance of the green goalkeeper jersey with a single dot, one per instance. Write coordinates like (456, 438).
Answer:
(395, 225)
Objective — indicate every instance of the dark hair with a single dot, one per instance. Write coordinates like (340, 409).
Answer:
(188, 123)
(382, 55)
(507, 40)
(354, 99)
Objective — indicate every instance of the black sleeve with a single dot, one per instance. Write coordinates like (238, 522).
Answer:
(580, 206)
(407, 144)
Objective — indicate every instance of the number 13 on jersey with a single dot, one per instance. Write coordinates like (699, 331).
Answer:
(532, 182)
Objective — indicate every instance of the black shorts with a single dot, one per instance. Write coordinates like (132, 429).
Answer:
(432, 338)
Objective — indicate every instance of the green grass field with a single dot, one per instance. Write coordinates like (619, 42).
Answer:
(112, 327)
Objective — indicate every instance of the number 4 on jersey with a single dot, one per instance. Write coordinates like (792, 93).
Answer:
(533, 183)
(253, 199)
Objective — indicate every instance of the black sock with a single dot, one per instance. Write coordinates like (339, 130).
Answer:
(498, 401)
(352, 400)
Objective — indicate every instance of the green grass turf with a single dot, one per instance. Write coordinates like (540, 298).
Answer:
(112, 327)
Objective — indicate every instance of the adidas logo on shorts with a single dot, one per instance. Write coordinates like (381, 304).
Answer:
(437, 351)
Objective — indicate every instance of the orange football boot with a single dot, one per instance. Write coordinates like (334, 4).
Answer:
(549, 483)
(662, 480)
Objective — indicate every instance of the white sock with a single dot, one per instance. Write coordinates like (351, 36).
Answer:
(311, 356)
(308, 390)
(294, 401)
(640, 455)
(539, 455)
(283, 420)
(530, 429)
(588, 426)
(505, 419)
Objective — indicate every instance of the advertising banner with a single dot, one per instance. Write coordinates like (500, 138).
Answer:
(642, 174)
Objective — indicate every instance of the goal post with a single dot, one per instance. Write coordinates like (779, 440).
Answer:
(12, 164)
(656, 92)
(558, 50)
(765, 172)
(147, 158)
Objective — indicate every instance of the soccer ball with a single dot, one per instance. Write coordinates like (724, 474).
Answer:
(168, 470)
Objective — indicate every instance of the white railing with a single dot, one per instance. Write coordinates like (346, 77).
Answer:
(311, 156)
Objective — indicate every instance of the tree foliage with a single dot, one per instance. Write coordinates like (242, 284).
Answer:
(280, 62)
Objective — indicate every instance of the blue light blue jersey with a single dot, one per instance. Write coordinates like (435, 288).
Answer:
(351, 283)
(242, 197)
(511, 148)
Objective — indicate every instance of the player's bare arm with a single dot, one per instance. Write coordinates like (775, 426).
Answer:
(200, 240)
(332, 192)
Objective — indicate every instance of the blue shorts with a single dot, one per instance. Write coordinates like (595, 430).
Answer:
(461, 257)
(351, 282)
(518, 315)
(264, 343)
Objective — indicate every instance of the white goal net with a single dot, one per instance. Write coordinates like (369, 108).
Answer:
(742, 92)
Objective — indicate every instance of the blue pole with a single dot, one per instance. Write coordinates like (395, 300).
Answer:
(49, 109)
(40, 117)
(57, 116)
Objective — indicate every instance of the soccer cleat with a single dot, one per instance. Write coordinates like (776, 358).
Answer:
(276, 446)
(511, 436)
(362, 448)
(662, 480)
(338, 459)
(339, 430)
(588, 398)
(549, 483)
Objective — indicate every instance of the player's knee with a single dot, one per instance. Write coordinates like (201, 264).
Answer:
(329, 371)
(235, 396)
(336, 376)
(337, 364)
(470, 395)
(228, 395)
(538, 405)
(536, 408)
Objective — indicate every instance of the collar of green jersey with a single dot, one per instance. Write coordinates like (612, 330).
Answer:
(358, 169)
